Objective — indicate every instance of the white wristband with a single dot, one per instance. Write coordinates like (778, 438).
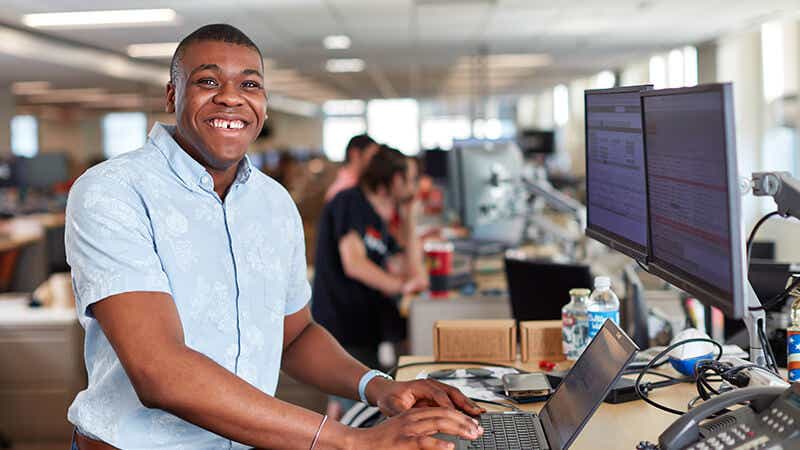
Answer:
(365, 379)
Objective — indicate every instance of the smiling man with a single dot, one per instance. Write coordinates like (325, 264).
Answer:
(190, 280)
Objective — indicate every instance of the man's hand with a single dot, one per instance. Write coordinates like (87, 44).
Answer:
(416, 284)
(394, 397)
(414, 430)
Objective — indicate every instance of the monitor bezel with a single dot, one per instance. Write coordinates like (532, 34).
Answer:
(733, 306)
(612, 240)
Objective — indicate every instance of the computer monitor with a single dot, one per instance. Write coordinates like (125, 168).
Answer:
(616, 188)
(435, 163)
(693, 194)
(539, 289)
(42, 171)
(537, 142)
(488, 184)
(7, 178)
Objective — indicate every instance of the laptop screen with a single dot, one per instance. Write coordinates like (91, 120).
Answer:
(586, 385)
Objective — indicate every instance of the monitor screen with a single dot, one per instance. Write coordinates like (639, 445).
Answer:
(693, 193)
(537, 142)
(492, 204)
(586, 385)
(42, 171)
(616, 197)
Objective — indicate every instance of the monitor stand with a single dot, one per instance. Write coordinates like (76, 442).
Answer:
(755, 320)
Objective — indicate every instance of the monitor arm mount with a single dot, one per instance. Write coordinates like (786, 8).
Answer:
(785, 190)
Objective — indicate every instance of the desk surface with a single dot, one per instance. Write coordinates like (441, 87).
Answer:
(619, 426)
(23, 230)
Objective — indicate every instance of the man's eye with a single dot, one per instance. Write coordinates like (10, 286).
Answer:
(251, 84)
(207, 82)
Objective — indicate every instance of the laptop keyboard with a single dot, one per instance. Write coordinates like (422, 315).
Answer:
(506, 431)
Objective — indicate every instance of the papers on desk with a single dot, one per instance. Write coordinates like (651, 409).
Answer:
(490, 388)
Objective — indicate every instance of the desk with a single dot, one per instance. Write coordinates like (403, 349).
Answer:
(613, 427)
(40, 239)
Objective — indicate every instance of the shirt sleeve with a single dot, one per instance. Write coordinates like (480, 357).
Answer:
(109, 242)
(346, 217)
(299, 291)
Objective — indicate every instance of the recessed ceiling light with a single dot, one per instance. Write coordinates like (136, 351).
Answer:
(336, 42)
(343, 65)
(152, 50)
(29, 87)
(91, 19)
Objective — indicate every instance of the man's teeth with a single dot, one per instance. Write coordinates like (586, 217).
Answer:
(221, 123)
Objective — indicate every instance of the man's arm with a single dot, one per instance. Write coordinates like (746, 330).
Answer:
(358, 266)
(313, 356)
(413, 254)
(145, 330)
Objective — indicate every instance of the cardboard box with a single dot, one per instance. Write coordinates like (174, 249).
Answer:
(541, 340)
(477, 340)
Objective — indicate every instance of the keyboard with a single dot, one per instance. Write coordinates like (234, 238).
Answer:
(506, 431)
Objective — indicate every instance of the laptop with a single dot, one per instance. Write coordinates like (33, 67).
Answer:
(539, 289)
(569, 408)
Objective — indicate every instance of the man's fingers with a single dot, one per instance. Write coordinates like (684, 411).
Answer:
(460, 400)
(429, 443)
(444, 424)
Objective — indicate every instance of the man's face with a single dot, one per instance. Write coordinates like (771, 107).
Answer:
(219, 101)
(405, 188)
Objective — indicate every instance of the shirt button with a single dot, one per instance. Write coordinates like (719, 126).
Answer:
(205, 180)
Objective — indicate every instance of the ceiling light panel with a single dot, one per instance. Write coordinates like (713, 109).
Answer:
(152, 50)
(99, 19)
(344, 65)
(336, 42)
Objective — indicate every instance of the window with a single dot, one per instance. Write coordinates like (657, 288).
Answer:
(24, 136)
(395, 122)
(440, 131)
(658, 72)
(772, 60)
(561, 105)
(604, 80)
(337, 131)
(123, 132)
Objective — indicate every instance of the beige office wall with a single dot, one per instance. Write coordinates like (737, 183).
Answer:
(293, 131)
(79, 133)
(739, 61)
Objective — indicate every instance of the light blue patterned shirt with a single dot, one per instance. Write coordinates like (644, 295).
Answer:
(149, 220)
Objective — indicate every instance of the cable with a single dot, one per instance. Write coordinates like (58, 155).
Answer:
(762, 336)
(753, 233)
(638, 384)
(643, 267)
(393, 371)
(778, 298)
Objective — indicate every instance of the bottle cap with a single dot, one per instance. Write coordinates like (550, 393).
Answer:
(602, 282)
(579, 292)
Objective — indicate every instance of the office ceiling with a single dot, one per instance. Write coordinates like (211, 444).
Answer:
(410, 47)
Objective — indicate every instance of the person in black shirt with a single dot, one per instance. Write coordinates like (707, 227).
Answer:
(360, 272)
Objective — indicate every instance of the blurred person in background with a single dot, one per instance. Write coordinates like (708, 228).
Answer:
(359, 151)
(361, 272)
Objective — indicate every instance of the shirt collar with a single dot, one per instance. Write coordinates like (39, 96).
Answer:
(188, 170)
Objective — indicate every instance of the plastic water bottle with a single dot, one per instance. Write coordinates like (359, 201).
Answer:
(603, 304)
(575, 324)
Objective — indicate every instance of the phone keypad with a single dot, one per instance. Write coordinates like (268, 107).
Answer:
(740, 437)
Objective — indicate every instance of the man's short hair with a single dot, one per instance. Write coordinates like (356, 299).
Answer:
(358, 143)
(220, 32)
(382, 168)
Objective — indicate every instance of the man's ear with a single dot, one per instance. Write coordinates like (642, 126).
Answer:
(170, 97)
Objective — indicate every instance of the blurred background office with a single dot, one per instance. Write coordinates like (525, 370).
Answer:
(428, 77)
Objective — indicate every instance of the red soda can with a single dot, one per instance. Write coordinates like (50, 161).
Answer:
(439, 259)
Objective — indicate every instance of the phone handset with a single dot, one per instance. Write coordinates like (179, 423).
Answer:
(684, 431)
